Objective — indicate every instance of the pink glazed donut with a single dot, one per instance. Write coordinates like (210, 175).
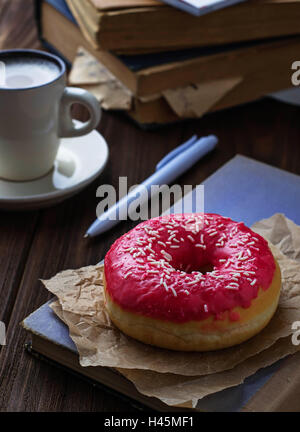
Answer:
(191, 282)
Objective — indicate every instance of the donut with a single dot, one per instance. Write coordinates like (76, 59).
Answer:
(191, 282)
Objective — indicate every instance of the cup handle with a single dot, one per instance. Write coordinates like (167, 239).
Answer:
(67, 126)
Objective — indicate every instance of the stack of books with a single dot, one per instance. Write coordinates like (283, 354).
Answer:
(177, 65)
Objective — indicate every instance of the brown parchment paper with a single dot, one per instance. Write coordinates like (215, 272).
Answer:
(195, 100)
(186, 391)
(100, 343)
(88, 73)
(180, 377)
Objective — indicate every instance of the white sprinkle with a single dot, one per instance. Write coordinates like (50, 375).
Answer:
(156, 234)
(187, 292)
(166, 286)
(191, 238)
(192, 282)
(197, 227)
(174, 246)
(255, 248)
(206, 222)
(222, 260)
(213, 233)
(152, 271)
(149, 249)
(161, 243)
(249, 252)
(241, 257)
(231, 287)
(201, 239)
(168, 256)
(175, 240)
(128, 249)
(201, 246)
(127, 274)
(167, 272)
(210, 230)
(205, 308)
(174, 292)
(253, 282)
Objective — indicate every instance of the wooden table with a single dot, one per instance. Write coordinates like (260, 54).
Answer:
(39, 244)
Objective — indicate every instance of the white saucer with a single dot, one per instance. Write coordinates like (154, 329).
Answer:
(79, 161)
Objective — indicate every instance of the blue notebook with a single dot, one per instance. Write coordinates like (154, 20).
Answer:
(245, 190)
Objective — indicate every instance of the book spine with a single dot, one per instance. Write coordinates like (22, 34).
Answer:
(37, 15)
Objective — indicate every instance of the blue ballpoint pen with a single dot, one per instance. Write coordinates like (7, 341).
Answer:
(168, 169)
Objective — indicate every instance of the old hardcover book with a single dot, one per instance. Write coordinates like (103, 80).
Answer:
(262, 67)
(259, 191)
(143, 25)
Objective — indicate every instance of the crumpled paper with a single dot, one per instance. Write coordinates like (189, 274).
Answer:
(174, 377)
(195, 100)
(185, 391)
(88, 73)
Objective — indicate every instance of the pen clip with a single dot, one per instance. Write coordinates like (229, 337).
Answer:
(172, 154)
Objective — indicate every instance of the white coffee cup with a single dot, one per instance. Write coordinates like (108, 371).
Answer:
(35, 112)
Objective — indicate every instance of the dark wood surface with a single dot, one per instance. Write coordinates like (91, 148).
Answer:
(38, 244)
